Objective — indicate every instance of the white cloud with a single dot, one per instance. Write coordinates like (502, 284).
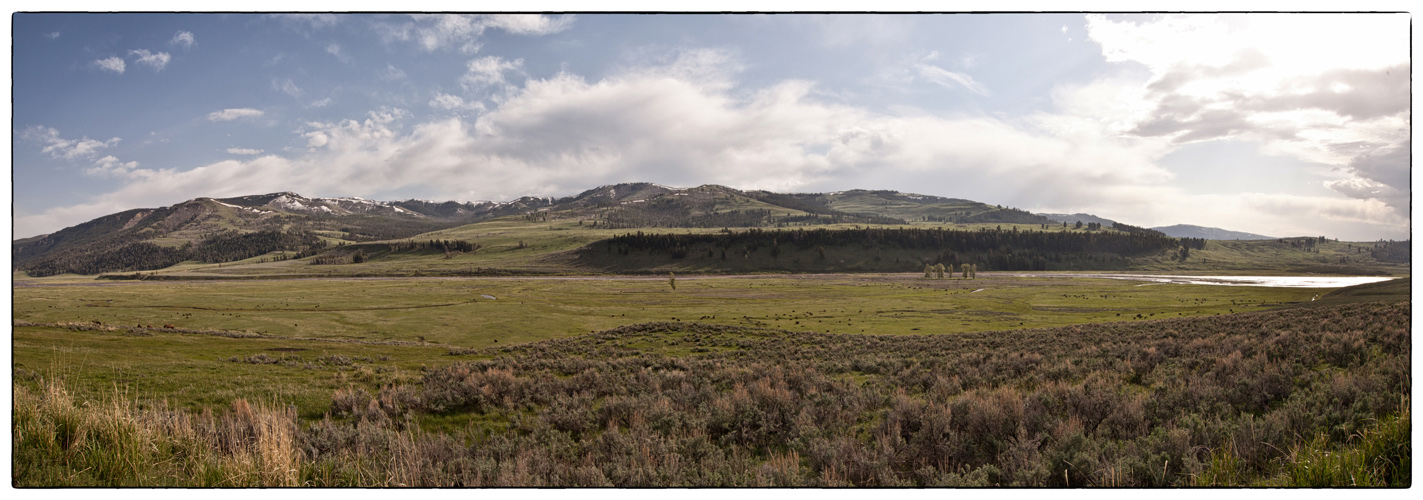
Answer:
(667, 124)
(115, 64)
(951, 79)
(335, 50)
(320, 103)
(244, 151)
(69, 149)
(184, 39)
(52, 35)
(287, 87)
(230, 114)
(306, 23)
(488, 71)
(563, 134)
(392, 73)
(462, 31)
(157, 60)
(110, 166)
(528, 24)
(449, 102)
(1328, 89)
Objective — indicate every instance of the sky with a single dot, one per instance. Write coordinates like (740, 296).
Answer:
(1277, 124)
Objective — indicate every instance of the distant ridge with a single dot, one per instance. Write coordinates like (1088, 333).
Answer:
(1210, 233)
(1085, 218)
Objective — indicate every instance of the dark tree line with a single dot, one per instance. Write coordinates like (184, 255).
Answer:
(1128, 228)
(143, 256)
(995, 249)
(1194, 243)
(233, 246)
(1392, 251)
(410, 246)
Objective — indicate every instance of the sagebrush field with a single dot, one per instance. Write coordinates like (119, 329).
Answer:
(863, 380)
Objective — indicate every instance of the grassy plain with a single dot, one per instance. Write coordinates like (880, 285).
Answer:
(319, 340)
(1303, 397)
(394, 326)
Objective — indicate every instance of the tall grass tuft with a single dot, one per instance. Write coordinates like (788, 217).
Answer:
(1376, 456)
(115, 443)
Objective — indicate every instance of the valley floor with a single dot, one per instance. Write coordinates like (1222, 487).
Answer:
(868, 380)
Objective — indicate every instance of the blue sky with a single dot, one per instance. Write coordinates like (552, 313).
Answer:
(1249, 122)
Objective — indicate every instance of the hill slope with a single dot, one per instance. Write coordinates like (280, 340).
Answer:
(284, 234)
(1083, 218)
(218, 230)
(1209, 233)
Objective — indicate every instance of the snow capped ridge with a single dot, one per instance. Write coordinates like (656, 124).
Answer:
(286, 202)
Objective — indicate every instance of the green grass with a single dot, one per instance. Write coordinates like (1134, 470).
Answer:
(1378, 456)
(319, 319)
(1146, 404)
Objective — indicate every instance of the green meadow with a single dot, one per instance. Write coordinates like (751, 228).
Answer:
(397, 325)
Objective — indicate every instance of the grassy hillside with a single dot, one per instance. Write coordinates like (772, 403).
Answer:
(352, 237)
(519, 245)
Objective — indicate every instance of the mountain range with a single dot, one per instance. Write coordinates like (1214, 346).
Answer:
(225, 229)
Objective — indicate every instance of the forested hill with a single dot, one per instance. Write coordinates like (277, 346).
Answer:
(227, 229)
(152, 238)
(881, 250)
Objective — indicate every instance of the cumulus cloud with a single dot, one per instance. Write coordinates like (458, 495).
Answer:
(449, 102)
(58, 147)
(462, 31)
(1381, 174)
(110, 166)
(156, 60)
(565, 133)
(183, 39)
(528, 24)
(244, 151)
(230, 114)
(488, 71)
(115, 64)
(666, 123)
(1329, 89)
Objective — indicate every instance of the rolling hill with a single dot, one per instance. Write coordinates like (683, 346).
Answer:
(1210, 233)
(226, 229)
(286, 234)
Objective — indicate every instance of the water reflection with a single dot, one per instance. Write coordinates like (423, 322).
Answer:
(1267, 281)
